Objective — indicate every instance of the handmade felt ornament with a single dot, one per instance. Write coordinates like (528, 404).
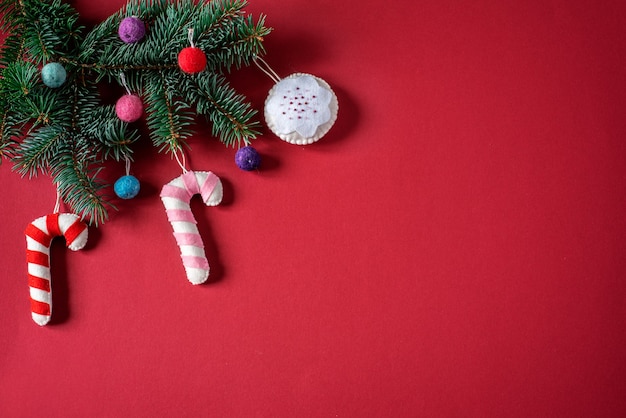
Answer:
(192, 60)
(53, 75)
(300, 108)
(247, 158)
(127, 186)
(131, 30)
(176, 196)
(39, 236)
(129, 107)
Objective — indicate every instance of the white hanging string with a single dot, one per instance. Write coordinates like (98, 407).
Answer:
(190, 37)
(127, 166)
(265, 67)
(57, 205)
(183, 162)
(123, 80)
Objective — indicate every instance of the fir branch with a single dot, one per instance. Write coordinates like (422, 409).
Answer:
(169, 118)
(113, 137)
(66, 131)
(230, 115)
(13, 48)
(217, 14)
(238, 46)
(79, 186)
(8, 131)
(11, 11)
(49, 28)
(37, 150)
(18, 80)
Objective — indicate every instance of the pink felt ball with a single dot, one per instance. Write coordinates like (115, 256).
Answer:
(191, 60)
(129, 108)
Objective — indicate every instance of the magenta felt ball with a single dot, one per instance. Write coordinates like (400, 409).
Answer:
(131, 30)
(129, 108)
(191, 60)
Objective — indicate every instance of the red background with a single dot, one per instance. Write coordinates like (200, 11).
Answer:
(453, 247)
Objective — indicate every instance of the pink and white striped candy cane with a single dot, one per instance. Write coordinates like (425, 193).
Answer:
(39, 235)
(176, 196)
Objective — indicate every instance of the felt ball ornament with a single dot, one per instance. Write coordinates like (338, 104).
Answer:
(53, 75)
(247, 158)
(126, 187)
(129, 108)
(131, 30)
(191, 60)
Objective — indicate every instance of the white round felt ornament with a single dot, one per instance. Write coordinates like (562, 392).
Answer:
(301, 108)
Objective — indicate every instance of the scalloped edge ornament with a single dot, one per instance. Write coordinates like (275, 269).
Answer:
(290, 133)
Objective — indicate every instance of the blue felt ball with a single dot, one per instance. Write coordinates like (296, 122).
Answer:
(53, 75)
(247, 158)
(126, 187)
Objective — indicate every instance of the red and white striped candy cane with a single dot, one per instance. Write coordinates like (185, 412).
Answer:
(176, 196)
(39, 235)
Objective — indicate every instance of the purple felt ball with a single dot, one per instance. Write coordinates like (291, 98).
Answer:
(131, 30)
(129, 108)
(247, 158)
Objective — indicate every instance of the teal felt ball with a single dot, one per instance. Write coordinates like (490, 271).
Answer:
(126, 187)
(53, 75)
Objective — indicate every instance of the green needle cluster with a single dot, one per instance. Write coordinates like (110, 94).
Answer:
(68, 133)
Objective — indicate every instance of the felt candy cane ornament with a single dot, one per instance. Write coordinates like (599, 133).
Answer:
(39, 236)
(176, 196)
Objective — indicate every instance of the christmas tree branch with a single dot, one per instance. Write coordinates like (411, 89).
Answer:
(37, 150)
(114, 139)
(169, 118)
(237, 48)
(219, 103)
(7, 132)
(66, 131)
(79, 187)
(114, 69)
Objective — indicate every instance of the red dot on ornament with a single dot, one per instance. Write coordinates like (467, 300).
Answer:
(192, 60)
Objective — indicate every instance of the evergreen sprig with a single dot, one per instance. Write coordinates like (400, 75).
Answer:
(68, 133)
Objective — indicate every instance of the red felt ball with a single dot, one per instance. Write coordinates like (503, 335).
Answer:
(129, 108)
(191, 60)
